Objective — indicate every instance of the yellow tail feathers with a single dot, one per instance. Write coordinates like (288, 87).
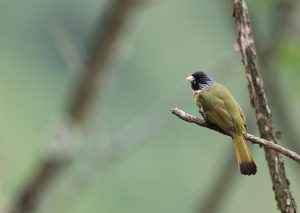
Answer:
(243, 155)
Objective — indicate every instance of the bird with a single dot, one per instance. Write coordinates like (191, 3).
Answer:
(222, 110)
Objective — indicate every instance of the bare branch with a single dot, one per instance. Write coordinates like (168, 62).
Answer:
(283, 195)
(200, 122)
(193, 119)
(291, 154)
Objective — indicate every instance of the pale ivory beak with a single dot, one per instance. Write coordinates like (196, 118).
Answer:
(190, 78)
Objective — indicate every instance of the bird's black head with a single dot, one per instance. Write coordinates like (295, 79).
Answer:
(200, 81)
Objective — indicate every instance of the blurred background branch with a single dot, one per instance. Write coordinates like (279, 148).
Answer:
(106, 37)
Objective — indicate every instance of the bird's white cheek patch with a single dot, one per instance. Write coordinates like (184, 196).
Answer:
(196, 91)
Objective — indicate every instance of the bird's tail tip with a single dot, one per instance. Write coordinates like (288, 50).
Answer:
(248, 168)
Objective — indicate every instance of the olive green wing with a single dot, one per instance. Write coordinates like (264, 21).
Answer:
(222, 110)
(242, 115)
(216, 111)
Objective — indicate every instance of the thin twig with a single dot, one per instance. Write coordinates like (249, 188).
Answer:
(257, 140)
(105, 40)
(245, 41)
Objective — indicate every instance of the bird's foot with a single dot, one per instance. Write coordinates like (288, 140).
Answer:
(202, 112)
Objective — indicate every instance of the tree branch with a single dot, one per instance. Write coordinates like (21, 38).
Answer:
(200, 122)
(245, 41)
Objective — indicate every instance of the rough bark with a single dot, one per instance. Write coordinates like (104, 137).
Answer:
(245, 42)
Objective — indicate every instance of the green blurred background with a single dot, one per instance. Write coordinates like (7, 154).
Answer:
(164, 164)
